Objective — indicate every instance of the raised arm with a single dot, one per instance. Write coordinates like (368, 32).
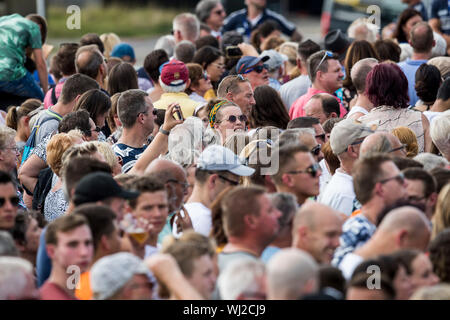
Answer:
(41, 67)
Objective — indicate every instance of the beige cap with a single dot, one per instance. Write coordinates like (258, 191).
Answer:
(347, 132)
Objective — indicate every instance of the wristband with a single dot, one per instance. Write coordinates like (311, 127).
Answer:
(164, 131)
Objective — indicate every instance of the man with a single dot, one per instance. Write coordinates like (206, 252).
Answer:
(174, 79)
(17, 279)
(211, 13)
(309, 122)
(184, 51)
(173, 176)
(322, 106)
(275, 67)
(9, 201)
(316, 230)
(69, 246)
(106, 240)
(248, 19)
(237, 89)
(422, 42)
(325, 73)
(402, 228)
(345, 141)
(217, 168)
(298, 172)
(151, 208)
(382, 142)
(186, 27)
(440, 19)
(253, 69)
(359, 73)
(91, 62)
(377, 183)
(72, 89)
(295, 88)
(303, 136)
(291, 274)
(136, 112)
(421, 189)
(358, 289)
(18, 35)
(250, 223)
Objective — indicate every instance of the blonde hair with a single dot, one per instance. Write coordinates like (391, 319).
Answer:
(441, 218)
(408, 137)
(110, 40)
(56, 148)
(440, 291)
(105, 149)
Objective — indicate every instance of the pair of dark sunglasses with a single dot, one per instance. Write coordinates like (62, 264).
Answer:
(205, 75)
(316, 150)
(233, 119)
(311, 170)
(14, 201)
(257, 69)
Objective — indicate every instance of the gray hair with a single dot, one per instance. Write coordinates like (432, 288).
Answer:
(431, 161)
(188, 25)
(289, 272)
(240, 276)
(6, 135)
(440, 133)
(129, 105)
(166, 43)
(287, 204)
(95, 61)
(361, 29)
(359, 72)
(7, 245)
(13, 283)
(204, 8)
(292, 136)
(375, 143)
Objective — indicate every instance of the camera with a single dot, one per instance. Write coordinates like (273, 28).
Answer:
(233, 52)
(178, 112)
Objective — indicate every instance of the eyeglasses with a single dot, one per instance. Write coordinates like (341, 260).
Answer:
(232, 182)
(154, 112)
(257, 69)
(326, 53)
(219, 12)
(97, 129)
(232, 82)
(12, 148)
(311, 170)
(316, 150)
(14, 200)
(400, 179)
(321, 136)
(233, 119)
(185, 185)
(403, 146)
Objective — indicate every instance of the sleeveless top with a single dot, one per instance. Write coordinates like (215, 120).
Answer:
(388, 118)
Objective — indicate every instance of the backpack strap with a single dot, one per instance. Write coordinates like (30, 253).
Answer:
(54, 98)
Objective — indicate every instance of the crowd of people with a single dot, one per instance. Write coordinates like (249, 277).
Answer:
(242, 161)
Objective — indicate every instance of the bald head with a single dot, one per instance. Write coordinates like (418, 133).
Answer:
(89, 60)
(291, 274)
(317, 229)
(359, 73)
(422, 38)
(409, 226)
(381, 142)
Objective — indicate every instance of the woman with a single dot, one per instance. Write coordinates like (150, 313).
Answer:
(387, 89)
(358, 50)
(55, 204)
(113, 120)
(441, 217)
(97, 104)
(226, 118)
(407, 138)
(110, 157)
(195, 255)
(152, 64)
(428, 81)
(418, 268)
(110, 40)
(269, 109)
(211, 60)
(408, 18)
(122, 77)
(200, 83)
(18, 118)
(292, 71)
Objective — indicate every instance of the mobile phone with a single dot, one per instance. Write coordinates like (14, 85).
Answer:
(179, 113)
(233, 52)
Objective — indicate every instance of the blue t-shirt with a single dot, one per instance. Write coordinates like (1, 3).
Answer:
(440, 9)
(421, 8)
(43, 262)
(129, 155)
(409, 68)
(237, 21)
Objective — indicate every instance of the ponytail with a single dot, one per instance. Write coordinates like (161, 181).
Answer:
(12, 118)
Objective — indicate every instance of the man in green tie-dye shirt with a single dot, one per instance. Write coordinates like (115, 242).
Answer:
(19, 34)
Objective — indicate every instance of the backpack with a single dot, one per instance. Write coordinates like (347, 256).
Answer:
(42, 188)
(31, 142)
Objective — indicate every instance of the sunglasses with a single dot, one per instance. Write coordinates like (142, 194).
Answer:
(97, 129)
(400, 179)
(14, 200)
(321, 136)
(316, 150)
(232, 182)
(311, 170)
(233, 119)
(326, 54)
(257, 69)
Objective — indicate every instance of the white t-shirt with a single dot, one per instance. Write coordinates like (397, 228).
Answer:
(356, 109)
(431, 115)
(200, 217)
(325, 177)
(349, 264)
(339, 193)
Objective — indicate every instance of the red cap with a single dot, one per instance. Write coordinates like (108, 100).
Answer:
(174, 73)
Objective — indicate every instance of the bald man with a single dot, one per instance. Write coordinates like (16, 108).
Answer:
(402, 228)
(316, 230)
(173, 176)
(291, 274)
(382, 142)
(91, 62)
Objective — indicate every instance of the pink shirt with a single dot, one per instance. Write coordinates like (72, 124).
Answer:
(297, 110)
(48, 97)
